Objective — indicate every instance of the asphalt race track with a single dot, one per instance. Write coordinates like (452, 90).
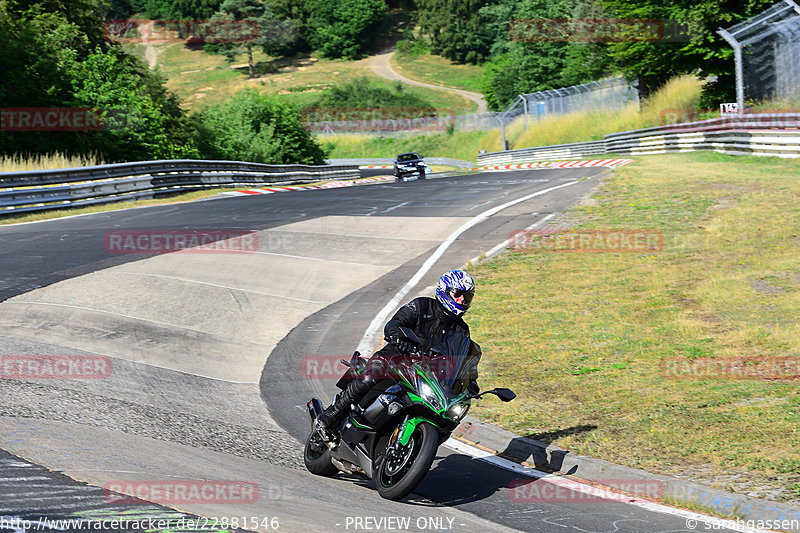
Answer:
(202, 375)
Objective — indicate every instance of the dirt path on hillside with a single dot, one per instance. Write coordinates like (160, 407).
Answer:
(150, 52)
(381, 65)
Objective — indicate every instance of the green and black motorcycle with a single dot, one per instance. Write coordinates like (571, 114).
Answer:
(392, 435)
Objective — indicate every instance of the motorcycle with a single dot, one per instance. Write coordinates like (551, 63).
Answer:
(393, 433)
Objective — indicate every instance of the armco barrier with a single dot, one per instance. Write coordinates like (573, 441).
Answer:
(38, 190)
(768, 134)
(443, 161)
(559, 151)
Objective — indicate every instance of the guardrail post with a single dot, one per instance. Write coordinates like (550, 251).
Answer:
(737, 60)
(503, 130)
(525, 107)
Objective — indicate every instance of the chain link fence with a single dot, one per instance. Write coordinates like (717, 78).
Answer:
(767, 55)
(609, 94)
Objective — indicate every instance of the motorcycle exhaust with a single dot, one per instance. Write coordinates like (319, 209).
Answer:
(314, 407)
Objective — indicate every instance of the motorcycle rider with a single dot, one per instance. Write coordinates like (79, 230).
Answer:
(429, 318)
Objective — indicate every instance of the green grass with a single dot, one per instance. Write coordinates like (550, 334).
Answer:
(437, 70)
(197, 77)
(680, 93)
(458, 145)
(581, 336)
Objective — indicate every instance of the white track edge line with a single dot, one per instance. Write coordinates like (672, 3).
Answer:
(715, 523)
(367, 340)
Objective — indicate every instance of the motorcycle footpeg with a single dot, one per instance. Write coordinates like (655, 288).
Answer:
(325, 434)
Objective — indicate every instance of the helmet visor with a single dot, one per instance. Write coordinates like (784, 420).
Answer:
(461, 297)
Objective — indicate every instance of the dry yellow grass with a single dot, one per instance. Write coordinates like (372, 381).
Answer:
(22, 162)
(583, 337)
(680, 93)
(458, 145)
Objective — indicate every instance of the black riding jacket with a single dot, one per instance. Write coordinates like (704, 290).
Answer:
(429, 320)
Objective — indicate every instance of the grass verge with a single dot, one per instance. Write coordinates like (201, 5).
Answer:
(198, 77)
(458, 145)
(680, 96)
(583, 337)
(438, 70)
(681, 93)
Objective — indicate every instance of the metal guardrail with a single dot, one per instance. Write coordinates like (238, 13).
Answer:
(769, 134)
(558, 151)
(439, 161)
(38, 190)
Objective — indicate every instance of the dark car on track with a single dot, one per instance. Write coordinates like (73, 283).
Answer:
(410, 163)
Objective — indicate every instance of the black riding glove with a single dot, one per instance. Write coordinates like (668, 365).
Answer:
(473, 388)
(405, 346)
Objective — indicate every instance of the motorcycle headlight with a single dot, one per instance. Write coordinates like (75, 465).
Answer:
(457, 411)
(427, 393)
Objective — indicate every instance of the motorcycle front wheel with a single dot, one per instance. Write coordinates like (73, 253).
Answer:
(317, 456)
(398, 472)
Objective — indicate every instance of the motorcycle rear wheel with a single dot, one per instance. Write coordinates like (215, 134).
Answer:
(396, 475)
(317, 456)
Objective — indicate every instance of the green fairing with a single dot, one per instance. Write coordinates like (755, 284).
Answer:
(360, 426)
(411, 426)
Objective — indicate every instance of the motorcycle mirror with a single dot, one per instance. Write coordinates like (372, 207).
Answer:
(505, 394)
(410, 335)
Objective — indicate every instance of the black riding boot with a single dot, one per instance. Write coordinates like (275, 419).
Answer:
(327, 420)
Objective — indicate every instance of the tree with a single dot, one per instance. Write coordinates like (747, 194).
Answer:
(343, 28)
(537, 50)
(55, 57)
(258, 128)
(164, 9)
(457, 30)
(528, 67)
(140, 119)
(258, 27)
(700, 50)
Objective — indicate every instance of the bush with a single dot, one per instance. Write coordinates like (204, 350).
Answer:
(58, 59)
(364, 94)
(412, 48)
(257, 128)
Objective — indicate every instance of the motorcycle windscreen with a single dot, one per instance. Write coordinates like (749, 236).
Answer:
(453, 361)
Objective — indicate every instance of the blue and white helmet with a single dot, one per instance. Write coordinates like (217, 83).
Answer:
(455, 291)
